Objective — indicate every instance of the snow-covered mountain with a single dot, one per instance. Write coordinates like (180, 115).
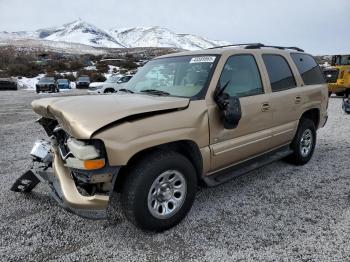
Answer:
(160, 37)
(84, 33)
(79, 32)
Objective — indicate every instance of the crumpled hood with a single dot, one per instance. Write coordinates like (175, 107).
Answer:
(81, 116)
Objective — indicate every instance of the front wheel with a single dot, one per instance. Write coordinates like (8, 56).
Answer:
(304, 142)
(159, 190)
(109, 90)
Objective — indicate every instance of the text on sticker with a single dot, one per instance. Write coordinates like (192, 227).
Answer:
(202, 59)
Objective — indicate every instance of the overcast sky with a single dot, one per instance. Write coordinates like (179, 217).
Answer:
(318, 26)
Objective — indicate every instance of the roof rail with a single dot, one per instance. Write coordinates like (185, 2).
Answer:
(259, 45)
(274, 46)
(221, 46)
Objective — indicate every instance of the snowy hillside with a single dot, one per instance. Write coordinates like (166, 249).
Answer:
(84, 33)
(159, 37)
(80, 32)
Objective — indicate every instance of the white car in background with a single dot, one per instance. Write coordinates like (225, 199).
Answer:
(111, 85)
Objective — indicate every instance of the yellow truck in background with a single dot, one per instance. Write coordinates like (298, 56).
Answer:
(338, 75)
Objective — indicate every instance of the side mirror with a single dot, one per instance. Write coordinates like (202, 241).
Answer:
(230, 107)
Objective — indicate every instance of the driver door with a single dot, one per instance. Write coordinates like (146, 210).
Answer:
(253, 134)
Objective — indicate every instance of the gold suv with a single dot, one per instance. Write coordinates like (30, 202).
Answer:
(183, 120)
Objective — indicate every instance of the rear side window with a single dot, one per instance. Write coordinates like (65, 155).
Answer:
(280, 74)
(242, 75)
(308, 69)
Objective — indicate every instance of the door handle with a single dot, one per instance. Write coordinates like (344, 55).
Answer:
(297, 99)
(265, 107)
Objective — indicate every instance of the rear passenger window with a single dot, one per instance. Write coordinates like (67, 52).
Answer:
(308, 69)
(242, 75)
(280, 74)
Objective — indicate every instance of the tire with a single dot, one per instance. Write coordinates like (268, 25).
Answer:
(340, 93)
(329, 94)
(109, 90)
(146, 209)
(303, 151)
(347, 93)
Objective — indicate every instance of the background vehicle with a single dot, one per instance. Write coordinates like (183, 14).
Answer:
(186, 118)
(63, 84)
(8, 84)
(111, 85)
(83, 82)
(338, 76)
(47, 84)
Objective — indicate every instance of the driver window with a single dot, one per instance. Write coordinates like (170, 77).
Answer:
(243, 76)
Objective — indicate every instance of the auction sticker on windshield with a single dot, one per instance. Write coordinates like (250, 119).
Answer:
(202, 59)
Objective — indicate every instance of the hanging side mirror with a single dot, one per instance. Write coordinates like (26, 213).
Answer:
(230, 107)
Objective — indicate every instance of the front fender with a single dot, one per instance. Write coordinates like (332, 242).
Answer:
(126, 139)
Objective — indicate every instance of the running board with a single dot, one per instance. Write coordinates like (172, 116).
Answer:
(229, 173)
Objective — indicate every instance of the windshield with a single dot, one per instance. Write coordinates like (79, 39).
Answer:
(341, 60)
(62, 81)
(177, 76)
(84, 79)
(47, 80)
(112, 79)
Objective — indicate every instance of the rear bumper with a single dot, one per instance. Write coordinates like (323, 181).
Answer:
(82, 85)
(63, 189)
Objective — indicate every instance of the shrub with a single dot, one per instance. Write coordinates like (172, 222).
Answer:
(75, 65)
(102, 68)
(26, 70)
(97, 77)
(94, 76)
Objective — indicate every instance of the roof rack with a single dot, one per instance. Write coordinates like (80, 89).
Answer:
(250, 44)
(259, 45)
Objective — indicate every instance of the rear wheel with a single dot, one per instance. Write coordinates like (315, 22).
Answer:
(159, 190)
(304, 142)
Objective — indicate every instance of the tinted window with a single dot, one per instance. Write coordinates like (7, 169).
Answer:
(242, 74)
(280, 74)
(308, 69)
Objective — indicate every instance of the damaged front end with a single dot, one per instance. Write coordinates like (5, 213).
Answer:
(77, 172)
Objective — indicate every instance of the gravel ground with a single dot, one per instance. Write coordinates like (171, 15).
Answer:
(277, 213)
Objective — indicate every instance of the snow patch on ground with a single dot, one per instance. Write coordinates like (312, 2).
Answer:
(29, 83)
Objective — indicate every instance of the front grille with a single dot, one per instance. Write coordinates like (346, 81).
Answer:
(331, 76)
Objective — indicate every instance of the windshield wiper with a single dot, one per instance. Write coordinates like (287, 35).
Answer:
(126, 90)
(155, 92)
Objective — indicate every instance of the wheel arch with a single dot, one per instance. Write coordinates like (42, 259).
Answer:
(187, 148)
(312, 114)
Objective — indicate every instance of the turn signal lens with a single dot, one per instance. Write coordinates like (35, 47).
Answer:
(94, 164)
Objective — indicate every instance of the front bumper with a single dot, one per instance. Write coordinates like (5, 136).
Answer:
(97, 91)
(64, 190)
